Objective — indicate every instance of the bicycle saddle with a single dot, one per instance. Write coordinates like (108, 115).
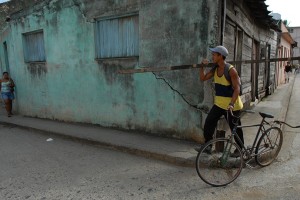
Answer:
(265, 115)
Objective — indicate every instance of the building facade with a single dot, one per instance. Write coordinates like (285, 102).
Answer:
(251, 36)
(64, 57)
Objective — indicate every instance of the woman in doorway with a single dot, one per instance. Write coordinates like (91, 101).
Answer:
(7, 92)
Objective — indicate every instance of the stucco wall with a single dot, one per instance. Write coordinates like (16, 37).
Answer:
(73, 86)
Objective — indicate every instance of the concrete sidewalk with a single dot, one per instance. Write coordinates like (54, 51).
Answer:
(167, 149)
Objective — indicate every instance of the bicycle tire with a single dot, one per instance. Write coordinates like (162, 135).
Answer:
(210, 168)
(268, 146)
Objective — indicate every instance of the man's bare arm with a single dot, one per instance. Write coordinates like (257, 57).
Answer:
(235, 81)
(204, 76)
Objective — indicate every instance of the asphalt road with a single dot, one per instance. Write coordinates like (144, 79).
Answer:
(33, 168)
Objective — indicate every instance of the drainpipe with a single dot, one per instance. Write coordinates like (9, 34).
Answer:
(223, 20)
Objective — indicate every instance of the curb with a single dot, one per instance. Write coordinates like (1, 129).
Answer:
(285, 106)
(286, 146)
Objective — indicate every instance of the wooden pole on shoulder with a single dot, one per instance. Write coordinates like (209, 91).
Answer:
(181, 67)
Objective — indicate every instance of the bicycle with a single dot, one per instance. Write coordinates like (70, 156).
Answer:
(217, 167)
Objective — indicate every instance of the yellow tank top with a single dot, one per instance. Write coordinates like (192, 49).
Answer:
(224, 92)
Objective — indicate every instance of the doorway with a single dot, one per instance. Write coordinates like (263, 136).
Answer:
(255, 70)
(6, 56)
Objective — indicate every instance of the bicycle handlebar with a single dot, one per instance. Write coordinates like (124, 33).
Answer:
(281, 122)
(246, 111)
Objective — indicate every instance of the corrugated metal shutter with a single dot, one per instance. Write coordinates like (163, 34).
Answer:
(34, 50)
(117, 37)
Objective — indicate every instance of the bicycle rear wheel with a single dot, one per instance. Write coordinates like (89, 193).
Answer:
(218, 168)
(268, 146)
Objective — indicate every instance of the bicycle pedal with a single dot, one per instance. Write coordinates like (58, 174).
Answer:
(249, 165)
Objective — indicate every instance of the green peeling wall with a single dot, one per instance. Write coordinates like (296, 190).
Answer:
(73, 86)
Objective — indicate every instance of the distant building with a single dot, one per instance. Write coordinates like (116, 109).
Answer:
(285, 50)
(295, 33)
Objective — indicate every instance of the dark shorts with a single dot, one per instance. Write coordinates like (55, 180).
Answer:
(7, 95)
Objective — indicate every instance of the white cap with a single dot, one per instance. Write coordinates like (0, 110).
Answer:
(221, 50)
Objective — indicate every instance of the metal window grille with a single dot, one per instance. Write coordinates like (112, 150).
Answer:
(33, 45)
(118, 37)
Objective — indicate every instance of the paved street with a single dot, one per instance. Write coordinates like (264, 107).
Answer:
(108, 100)
(32, 168)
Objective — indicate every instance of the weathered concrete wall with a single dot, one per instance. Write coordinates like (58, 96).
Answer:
(73, 86)
(12, 6)
(3, 37)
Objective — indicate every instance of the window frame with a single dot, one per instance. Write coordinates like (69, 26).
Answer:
(97, 33)
(28, 59)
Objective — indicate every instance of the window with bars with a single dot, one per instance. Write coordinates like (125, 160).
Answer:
(33, 47)
(117, 37)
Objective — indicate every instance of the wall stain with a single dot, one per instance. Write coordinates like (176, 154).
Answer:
(203, 25)
(37, 69)
(110, 68)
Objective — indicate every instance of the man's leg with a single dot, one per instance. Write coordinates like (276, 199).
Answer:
(239, 131)
(211, 122)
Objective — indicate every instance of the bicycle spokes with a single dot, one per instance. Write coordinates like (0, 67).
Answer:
(218, 168)
(268, 146)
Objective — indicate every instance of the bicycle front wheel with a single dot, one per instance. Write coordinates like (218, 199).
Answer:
(268, 146)
(214, 163)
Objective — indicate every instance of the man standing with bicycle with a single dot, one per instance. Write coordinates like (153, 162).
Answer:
(227, 90)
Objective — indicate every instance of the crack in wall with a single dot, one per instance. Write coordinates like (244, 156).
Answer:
(202, 108)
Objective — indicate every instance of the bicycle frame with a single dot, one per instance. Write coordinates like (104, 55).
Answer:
(225, 154)
(261, 129)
